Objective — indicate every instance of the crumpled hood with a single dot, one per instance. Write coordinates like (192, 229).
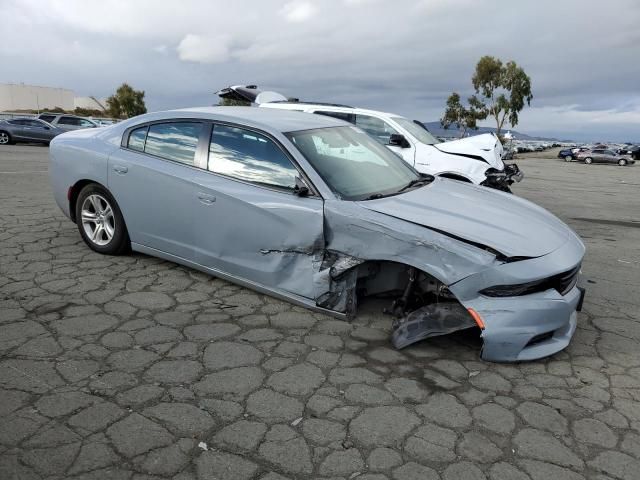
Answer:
(511, 225)
(486, 146)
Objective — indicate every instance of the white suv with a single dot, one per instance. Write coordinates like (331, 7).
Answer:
(476, 159)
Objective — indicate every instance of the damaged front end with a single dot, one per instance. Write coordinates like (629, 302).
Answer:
(420, 306)
(503, 179)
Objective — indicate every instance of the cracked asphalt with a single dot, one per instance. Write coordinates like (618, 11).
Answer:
(136, 368)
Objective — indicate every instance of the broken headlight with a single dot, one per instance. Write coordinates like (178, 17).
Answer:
(512, 290)
(495, 173)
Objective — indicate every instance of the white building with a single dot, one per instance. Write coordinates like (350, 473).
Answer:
(17, 97)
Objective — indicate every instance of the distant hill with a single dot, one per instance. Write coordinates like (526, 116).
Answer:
(436, 129)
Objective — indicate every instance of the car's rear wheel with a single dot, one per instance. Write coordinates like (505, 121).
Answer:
(100, 221)
(568, 158)
(5, 138)
(588, 160)
(622, 162)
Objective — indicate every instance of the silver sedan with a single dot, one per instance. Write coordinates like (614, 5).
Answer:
(313, 210)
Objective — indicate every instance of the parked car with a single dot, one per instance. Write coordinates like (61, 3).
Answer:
(313, 210)
(68, 122)
(604, 156)
(567, 154)
(30, 130)
(476, 159)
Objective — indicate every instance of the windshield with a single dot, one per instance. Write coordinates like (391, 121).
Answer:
(353, 164)
(420, 133)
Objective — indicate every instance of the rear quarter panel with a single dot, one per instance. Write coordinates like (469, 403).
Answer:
(75, 156)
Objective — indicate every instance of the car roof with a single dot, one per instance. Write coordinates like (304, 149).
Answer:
(326, 107)
(263, 118)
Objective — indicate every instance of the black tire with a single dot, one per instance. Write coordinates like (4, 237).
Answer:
(5, 138)
(118, 243)
(622, 162)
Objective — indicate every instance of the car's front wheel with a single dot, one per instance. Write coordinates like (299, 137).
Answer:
(568, 158)
(100, 221)
(622, 162)
(588, 160)
(5, 138)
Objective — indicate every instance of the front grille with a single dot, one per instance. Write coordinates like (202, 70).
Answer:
(564, 282)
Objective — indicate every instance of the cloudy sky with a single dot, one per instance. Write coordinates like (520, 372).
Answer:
(583, 56)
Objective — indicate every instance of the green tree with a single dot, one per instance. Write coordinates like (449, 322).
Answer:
(502, 89)
(126, 102)
(463, 118)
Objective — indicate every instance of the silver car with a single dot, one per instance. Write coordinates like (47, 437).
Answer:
(311, 209)
(68, 122)
(29, 130)
(601, 155)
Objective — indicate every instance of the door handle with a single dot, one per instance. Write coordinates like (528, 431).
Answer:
(120, 169)
(205, 198)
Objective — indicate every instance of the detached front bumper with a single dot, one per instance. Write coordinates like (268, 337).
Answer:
(528, 327)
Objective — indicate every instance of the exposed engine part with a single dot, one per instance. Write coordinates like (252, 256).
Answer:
(399, 305)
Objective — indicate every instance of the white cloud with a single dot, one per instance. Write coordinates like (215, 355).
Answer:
(201, 49)
(297, 11)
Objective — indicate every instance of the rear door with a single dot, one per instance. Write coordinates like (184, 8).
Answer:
(19, 129)
(597, 156)
(249, 222)
(152, 178)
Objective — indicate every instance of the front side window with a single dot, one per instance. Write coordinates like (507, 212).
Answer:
(137, 138)
(174, 141)
(251, 157)
(352, 164)
(378, 129)
(419, 132)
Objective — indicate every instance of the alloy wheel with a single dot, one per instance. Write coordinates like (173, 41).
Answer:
(4, 138)
(98, 219)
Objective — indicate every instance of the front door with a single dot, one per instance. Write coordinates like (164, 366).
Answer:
(250, 223)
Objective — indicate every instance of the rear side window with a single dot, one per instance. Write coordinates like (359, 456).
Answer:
(249, 156)
(174, 141)
(347, 117)
(137, 138)
(47, 118)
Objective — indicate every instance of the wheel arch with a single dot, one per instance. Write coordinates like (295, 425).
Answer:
(74, 192)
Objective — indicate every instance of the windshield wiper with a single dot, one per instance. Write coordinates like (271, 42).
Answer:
(374, 196)
(416, 182)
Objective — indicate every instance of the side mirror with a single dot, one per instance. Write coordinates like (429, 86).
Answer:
(301, 188)
(398, 140)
